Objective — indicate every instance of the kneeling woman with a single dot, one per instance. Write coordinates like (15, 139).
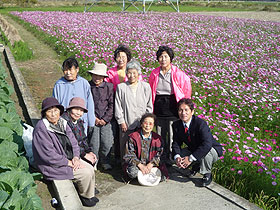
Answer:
(144, 149)
(56, 152)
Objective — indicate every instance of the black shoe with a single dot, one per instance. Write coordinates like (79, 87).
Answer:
(89, 202)
(96, 191)
(207, 179)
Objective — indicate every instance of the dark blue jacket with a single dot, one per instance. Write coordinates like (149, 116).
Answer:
(200, 140)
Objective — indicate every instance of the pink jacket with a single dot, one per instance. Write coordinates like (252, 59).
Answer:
(114, 77)
(181, 83)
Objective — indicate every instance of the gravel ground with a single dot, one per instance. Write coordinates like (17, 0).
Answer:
(265, 16)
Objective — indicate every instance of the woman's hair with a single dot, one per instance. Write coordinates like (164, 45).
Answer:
(125, 49)
(151, 115)
(186, 101)
(69, 63)
(133, 64)
(166, 49)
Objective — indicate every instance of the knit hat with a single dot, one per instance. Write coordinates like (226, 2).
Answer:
(77, 102)
(99, 69)
(151, 179)
(50, 102)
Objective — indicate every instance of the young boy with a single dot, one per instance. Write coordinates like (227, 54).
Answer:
(102, 93)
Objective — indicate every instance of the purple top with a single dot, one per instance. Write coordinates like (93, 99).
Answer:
(103, 97)
(49, 155)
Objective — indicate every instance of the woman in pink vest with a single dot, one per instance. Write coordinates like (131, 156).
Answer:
(169, 84)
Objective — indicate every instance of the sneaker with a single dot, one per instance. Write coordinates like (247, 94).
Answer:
(89, 202)
(106, 167)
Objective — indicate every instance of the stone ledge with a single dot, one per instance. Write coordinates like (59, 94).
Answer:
(64, 189)
(232, 197)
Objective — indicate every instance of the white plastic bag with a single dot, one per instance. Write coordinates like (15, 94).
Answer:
(27, 141)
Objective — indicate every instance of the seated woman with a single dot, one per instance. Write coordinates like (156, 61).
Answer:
(57, 154)
(144, 149)
(73, 115)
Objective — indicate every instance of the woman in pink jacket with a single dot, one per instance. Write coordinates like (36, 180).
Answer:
(169, 84)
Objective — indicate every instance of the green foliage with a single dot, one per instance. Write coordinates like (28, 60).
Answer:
(20, 49)
(17, 186)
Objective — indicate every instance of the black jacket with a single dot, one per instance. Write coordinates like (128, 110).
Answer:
(200, 140)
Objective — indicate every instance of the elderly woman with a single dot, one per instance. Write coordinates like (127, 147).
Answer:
(144, 149)
(73, 114)
(57, 154)
(169, 84)
(133, 99)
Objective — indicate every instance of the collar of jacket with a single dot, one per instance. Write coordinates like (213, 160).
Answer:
(47, 124)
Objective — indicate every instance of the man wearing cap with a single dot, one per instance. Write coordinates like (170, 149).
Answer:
(102, 93)
(72, 85)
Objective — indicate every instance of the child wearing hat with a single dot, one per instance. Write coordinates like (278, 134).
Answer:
(73, 116)
(102, 92)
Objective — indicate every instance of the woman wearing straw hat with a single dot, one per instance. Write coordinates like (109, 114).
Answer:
(57, 154)
(102, 93)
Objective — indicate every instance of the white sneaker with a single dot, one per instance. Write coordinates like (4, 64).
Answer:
(106, 166)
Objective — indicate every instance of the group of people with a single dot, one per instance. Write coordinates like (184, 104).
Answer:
(83, 120)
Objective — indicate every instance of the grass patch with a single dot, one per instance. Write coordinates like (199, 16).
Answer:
(20, 49)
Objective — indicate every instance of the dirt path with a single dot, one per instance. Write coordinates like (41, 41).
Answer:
(43, 70)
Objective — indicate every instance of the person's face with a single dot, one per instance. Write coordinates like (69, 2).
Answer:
(71, 74)
(76, 113)
(147, 125)
(164, 60)
(121, 60)
(53, 114)
(97, 79)
(185, 113)
(132, 76)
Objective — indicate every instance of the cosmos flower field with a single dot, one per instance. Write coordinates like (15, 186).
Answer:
(234, 66)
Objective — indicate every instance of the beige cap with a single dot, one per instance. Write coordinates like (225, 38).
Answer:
(99, 69)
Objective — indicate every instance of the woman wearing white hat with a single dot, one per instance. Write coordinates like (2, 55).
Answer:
(102, 93)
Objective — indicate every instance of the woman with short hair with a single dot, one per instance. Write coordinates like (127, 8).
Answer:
(169, 84)
(133, 99)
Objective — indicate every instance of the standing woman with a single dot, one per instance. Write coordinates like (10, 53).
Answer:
(133, 99)
(169, 84)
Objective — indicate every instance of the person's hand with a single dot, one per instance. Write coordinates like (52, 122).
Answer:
(70, 164)
(144, 169)
(102, 122)
(91, 157)
(124, 127)
(186, 162)
(179, 162)
(97, 121)
(77, 163)
(150, 166)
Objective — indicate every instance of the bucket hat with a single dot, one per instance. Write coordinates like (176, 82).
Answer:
(49, 102)
(99, 69)
(77, 102)
(151, 179)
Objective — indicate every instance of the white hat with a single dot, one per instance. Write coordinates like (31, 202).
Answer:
(99, 69)
(151, 179)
